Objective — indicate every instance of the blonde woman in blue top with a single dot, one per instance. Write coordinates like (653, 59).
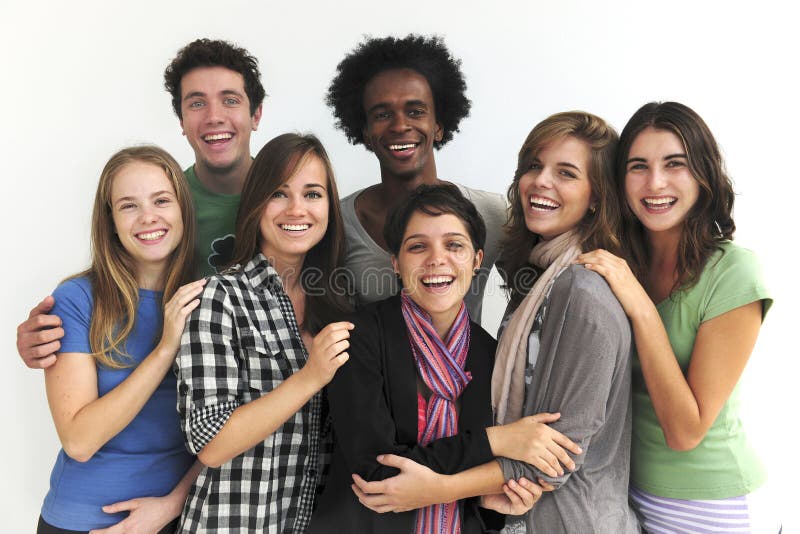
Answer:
(123, 467)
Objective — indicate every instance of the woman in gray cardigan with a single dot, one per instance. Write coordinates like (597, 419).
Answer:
(565, 343)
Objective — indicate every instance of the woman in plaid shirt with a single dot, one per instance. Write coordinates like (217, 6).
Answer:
(256, 352)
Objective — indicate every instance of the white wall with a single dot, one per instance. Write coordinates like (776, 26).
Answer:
(82, 79)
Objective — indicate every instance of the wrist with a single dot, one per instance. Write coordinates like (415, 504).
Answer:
(307, 380)
(494, 435)
(444, 489)
(165, 353)
(175, 501)
(644, 312)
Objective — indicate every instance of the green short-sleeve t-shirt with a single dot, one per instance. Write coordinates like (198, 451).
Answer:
(723, 464)
(216, 222)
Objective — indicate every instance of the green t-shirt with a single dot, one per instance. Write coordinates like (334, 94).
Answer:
(723, 464)
(216, 221)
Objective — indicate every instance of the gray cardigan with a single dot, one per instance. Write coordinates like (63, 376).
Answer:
(583, 370)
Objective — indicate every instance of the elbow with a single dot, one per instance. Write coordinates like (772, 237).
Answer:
(683, 441)
(209, 459)
(80, 452)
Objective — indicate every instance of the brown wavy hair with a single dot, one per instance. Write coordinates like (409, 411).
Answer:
(114, 287)
(597, 229)
(709, 221)
(325, 286)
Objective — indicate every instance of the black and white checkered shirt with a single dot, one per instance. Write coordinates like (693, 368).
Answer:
(241, 342)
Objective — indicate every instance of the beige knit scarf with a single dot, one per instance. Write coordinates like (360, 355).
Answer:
(508, 378)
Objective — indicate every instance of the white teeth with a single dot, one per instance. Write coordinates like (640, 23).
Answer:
(661, 201)
(437, 279)
(151, 236)
(295, 227)
(217, 137)
(402, 147)
(541, 202)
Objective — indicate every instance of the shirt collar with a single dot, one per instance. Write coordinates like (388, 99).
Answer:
(260, 273)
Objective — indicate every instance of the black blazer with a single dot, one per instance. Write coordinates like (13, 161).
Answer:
(373, 403)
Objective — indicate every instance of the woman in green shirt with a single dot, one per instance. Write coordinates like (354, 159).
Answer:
(696, 302)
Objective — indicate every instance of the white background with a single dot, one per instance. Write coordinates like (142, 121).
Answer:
(83, 79)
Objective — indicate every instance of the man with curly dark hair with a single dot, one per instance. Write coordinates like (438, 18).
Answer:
(217, 94)
(402, 98)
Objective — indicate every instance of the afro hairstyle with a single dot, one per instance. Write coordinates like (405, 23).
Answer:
(426, 55)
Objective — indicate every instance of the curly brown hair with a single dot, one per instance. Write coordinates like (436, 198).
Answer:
(214, 53)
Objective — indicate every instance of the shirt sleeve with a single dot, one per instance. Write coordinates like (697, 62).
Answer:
(585, 356)
(736, 279)
(74, 307)
(207, 369)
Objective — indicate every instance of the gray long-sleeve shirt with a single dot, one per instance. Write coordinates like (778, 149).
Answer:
(583, 371)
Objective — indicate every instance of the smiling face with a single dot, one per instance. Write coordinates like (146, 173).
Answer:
(147, 218)
(295, 218)
(401, 123)
(216, 119)
(659, 185)
(436, 263)
(555, 192)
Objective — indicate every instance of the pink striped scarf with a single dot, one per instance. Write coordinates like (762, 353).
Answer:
(441, 366)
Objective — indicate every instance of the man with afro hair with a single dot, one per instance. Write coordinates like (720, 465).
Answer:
(402, 98)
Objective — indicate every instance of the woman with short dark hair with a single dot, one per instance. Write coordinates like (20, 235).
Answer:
(418, 383)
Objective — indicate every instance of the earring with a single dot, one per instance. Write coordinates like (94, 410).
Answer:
(397, 274)
(592, 209)
(476, 271)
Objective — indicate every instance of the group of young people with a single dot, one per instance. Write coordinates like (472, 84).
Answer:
(330, 369)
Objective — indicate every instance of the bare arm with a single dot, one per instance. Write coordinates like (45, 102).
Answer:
(532, 440)
(686, 406)
(38, 336)
(402, 492)
(180, 492)
(252, 423)
(84, 421)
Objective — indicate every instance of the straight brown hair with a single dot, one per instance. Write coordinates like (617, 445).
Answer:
(323, 279)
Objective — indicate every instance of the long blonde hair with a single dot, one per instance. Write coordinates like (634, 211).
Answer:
(116, 293)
